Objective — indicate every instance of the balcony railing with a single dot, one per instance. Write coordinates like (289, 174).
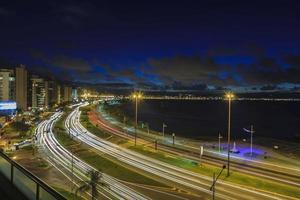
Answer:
(28, 184)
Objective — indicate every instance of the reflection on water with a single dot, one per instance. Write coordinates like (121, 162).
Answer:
(208, 118)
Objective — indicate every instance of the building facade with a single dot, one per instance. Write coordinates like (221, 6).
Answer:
(38, 93)
(67, 96)
(7, 85)
(21, 87)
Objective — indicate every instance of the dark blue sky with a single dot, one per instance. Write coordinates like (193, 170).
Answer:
(191, 44)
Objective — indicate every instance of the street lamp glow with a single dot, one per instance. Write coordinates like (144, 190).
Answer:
(136, 96)
(229, 96)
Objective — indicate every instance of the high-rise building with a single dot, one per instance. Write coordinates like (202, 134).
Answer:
(47, 102)
(67, 97)
(21, 87)
(58, 92)
(54, 93)
(7, 85)
(74, 94)
(38, 93)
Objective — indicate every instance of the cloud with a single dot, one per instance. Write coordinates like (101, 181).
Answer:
(197, 72)
(262, 70)
(70, 63)
(61, 61)
(188, 70)
(269, 87)
(66, 68)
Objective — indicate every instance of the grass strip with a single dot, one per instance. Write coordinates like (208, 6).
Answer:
(100, 162)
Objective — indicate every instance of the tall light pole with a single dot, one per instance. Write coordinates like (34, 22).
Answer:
(251, 131)
(229, 96)
(215, 179)
(72, 162)
(220, 137)
(136, 96)
(251, 144)
(163, 129)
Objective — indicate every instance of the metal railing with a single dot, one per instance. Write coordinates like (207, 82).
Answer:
(28, 184)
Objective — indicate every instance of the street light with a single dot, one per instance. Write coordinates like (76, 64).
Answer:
(136, 96)
(173, 136)
(229, 96)
(163, 129)
(220, 137)
(72, 161)
(213, 186)
(251, 131)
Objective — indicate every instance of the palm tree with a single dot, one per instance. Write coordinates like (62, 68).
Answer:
(95, 180)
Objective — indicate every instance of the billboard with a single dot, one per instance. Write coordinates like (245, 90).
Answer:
(8, 105)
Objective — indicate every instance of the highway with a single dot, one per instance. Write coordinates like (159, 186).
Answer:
(64, 159)
(187, 179)
(275, 172)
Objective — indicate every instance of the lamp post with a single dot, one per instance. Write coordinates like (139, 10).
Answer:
(136, 96)
(163, 129)
(251, 131)
(173, 136)
(229, 96)
(220, 137)
(72, 162)
(213, 186)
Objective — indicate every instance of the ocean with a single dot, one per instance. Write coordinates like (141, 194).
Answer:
(208, 118)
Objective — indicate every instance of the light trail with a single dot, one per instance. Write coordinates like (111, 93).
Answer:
(278, 173)
(177, 175)
(59, 154)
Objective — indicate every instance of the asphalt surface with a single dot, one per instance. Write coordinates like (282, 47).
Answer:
(187, 179)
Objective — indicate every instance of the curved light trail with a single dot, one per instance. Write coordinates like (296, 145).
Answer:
(188, 179)
(59, 154)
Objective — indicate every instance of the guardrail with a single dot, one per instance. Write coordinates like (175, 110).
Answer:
(28, 184)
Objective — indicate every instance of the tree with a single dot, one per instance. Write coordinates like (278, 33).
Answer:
(95, 180)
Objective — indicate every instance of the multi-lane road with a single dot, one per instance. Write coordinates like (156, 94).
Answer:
(275, 172)
(186, 179)
(64, 160)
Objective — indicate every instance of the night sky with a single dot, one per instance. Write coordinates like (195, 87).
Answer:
(243, 45)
